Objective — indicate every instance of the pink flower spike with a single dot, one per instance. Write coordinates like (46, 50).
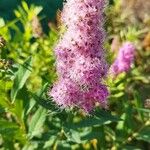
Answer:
(124, 59)
(80, 61)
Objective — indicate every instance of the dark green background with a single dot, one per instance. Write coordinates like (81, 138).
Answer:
(49, 7)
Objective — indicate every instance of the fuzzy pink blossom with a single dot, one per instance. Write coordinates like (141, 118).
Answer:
(124, 59)
(80, 62)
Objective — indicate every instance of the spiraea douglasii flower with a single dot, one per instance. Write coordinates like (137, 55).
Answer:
(124, 59)
(80, 60)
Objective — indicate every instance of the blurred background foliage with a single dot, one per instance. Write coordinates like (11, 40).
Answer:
(29, 120)
(49, 7)
(48, 13)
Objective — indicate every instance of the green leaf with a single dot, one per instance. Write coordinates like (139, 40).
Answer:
(50, 142)
(30, 106)
(4, 101)
(73, 136)
(25, 6)
(20, 78)
(90, 136)
(7, 128)
(39, 98)
(11, 131)
(1, 110)
(36, 122)
(130, 147)
(143, 110)
(118, 95)
(120, 125)
(138, 103)
(8, 24)
(144, 135)
(102, 117)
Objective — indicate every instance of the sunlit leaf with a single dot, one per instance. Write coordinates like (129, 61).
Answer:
(36, 122)
(20, 78)
(144, 135)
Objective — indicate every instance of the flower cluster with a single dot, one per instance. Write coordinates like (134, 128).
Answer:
(80, 61)
(124, 59)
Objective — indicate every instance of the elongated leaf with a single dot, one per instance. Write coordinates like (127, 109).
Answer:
(144, 135)
(102, 117)
(143, 110)
(7, 128)
(50, 142)
(20, 78)
(36, 123)
(25, 6)
(40, 99)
